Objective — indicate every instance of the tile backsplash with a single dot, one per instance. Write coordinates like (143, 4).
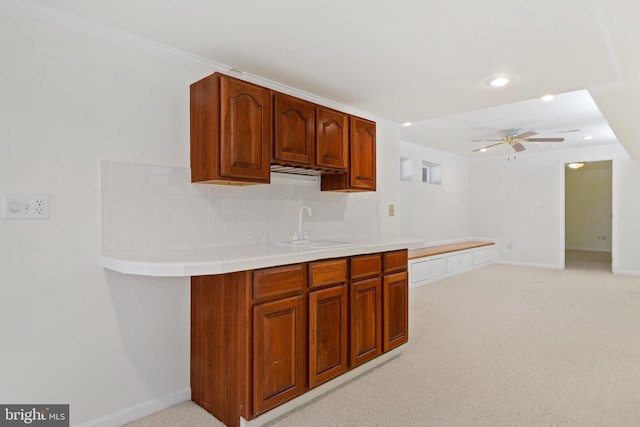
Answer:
(148, 208)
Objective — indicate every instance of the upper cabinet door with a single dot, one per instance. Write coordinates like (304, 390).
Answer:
(245, 130)
(293, 130)
(332, 139)
(362, 170)
(230, 131)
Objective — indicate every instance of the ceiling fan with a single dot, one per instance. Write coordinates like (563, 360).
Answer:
(515, 138)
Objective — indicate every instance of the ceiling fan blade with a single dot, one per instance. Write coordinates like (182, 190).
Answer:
(486, 140)
(545, 139)
(518, 147)
(526, 135)
(485, 147)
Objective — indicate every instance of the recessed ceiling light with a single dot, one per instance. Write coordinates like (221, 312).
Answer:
(576, 165)
(406, 124)
(498, 81)
(547, 98)
(588, 137)
(482, 150)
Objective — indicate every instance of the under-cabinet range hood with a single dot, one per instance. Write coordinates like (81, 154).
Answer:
(300, 171)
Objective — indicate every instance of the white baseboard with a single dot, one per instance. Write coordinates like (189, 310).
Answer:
(626, 272)
(589, 249)
(140, 410)
(530, 264)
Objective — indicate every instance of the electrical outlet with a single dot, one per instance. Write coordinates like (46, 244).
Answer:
(392, 210)
(23, 206)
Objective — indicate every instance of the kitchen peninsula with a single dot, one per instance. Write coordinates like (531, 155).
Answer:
(273, 326)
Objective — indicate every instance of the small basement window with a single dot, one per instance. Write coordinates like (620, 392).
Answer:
(406, 169)
(431, 173)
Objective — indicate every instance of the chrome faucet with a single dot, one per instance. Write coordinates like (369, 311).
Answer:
(301, 235)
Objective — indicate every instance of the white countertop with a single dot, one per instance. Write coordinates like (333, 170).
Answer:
(227, 259)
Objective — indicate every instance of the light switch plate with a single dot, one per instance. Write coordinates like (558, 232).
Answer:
(26, 206)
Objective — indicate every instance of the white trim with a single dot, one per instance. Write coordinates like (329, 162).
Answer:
(531, 264)
(320, 390)
(588, 249)
(627, 272)
(140, 410)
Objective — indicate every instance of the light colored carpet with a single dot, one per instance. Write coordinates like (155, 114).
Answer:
(587, 260)
(498, 346)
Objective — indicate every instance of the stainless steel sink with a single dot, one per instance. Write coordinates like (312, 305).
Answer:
(315, 244)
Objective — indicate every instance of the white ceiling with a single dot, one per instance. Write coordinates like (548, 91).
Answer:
(418, 60)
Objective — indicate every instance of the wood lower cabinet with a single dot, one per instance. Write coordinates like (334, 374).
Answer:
(262, 337)
(328, 329)
(278, 352)
(230, 131)
(328, 320)
(395, 294)
(366, 318)
(366, 308)
(395, 297)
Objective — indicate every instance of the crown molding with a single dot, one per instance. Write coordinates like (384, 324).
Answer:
(77, 23)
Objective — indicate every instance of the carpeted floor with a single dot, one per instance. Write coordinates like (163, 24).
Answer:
(587, 260)
(498, 346)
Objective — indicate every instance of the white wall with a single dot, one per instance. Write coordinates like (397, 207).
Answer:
(588, 204)
(521, 203)
(110, 345)
(436, 213)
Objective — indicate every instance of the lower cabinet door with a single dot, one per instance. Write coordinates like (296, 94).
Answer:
(278, 352)
(328, 340)
(366, 320)
(396, 310)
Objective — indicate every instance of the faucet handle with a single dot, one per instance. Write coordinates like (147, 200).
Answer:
(293, 236)
(307, 234)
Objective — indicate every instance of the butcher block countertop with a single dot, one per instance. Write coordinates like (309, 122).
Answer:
(443, 249)
(229, 259)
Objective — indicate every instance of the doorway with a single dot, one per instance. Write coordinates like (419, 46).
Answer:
(588, 215)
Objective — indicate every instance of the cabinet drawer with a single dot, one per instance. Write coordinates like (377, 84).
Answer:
(329, 272)
(365, 266)
(275, 281)
(482, 256)
(427, 269)
(459, 262)
(394, 261)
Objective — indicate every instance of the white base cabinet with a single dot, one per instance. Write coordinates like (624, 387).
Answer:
(431, 268)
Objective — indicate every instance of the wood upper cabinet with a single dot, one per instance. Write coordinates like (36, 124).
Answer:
(332, 139)
(230, 131)
(239, 129)
(279, 352)
(362, 164)
(361, 174)
(294, 124)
